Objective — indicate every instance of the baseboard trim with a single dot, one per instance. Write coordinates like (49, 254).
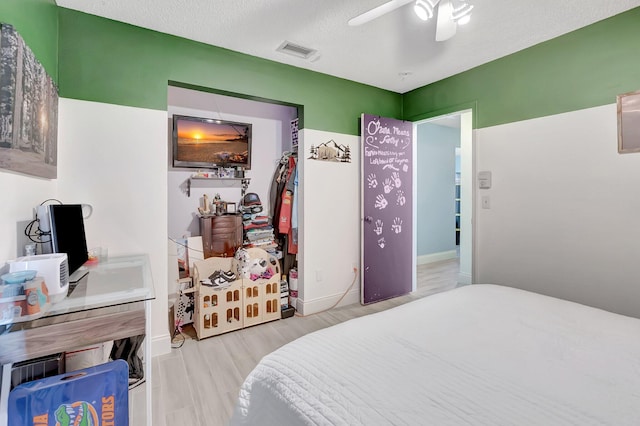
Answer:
(323, 303)
(464, 279)
(160, 345)
(437, 257)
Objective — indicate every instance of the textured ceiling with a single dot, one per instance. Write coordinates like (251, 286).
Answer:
(395, 52)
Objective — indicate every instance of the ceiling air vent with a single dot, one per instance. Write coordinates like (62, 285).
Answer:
(296, 50)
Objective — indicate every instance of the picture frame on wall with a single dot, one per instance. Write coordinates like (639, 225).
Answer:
(28, 110)
(629, 122)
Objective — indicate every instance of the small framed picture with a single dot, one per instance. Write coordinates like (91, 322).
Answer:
(231, 208)
(629, 122)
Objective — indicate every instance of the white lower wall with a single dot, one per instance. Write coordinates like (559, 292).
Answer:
(564, 206)
(20, 195)
(114, 158)
(329, 207)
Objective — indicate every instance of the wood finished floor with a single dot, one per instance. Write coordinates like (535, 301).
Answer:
(198, 384)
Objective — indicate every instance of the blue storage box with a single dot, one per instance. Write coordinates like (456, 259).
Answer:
(95, 396)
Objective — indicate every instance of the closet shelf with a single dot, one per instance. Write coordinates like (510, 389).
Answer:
(216, 181)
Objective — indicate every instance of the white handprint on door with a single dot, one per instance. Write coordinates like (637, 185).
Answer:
(388, 186)
(397, 225)
(378, 228)
(381, 202)
(373, 182)
(396, 179)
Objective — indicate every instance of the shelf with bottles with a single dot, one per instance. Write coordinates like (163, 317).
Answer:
(216, 177)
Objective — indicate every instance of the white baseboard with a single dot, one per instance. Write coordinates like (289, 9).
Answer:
(437, 257)
(318, 305)
(464, 279)
(160, 345)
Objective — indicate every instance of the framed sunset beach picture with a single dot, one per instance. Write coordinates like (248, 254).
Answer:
(210, 143)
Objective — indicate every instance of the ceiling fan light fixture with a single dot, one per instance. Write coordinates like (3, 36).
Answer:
(424, 8)
(462, 14)
(464, 20)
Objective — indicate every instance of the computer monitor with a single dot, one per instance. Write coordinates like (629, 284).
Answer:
(68, 236)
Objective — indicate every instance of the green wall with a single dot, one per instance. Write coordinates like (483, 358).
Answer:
(37, 23)
(101, 60)
(582, 69)
(107, 61)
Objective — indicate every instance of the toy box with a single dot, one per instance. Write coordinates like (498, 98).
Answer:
(217, 309)
(253, 297)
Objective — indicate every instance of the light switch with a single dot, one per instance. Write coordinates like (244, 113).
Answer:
(484, 180)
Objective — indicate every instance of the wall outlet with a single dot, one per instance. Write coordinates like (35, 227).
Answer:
(318, 275)
(486, 202)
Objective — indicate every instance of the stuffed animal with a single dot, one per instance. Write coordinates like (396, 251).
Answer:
(257, 267)
(253, 268)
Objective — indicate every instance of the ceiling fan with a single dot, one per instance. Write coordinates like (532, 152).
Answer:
(450, 14)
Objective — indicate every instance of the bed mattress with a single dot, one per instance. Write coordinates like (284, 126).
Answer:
(477, 355)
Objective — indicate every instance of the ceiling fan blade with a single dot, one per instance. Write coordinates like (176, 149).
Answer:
(445, 25)
(378, 12)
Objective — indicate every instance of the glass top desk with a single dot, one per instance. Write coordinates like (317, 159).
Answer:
(110, 302)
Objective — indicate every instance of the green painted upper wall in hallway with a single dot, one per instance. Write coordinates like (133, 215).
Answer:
(581, 69)
(37, 23)
(107, 61)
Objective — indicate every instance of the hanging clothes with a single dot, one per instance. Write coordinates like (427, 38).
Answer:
(284, 223)
(294, 208)
(277, 186)
(283, 196)
(293, 231)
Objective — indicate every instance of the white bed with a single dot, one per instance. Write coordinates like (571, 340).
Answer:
(477, 355)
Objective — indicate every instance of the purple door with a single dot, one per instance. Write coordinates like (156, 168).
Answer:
(387, 219)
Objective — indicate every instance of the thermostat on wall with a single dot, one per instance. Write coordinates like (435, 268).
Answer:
(484, 180)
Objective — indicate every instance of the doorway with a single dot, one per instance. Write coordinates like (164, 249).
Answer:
(444, 202)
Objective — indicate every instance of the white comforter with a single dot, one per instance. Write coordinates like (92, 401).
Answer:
(478, 355)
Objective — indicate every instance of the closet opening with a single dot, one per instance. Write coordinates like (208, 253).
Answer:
(229, 196)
